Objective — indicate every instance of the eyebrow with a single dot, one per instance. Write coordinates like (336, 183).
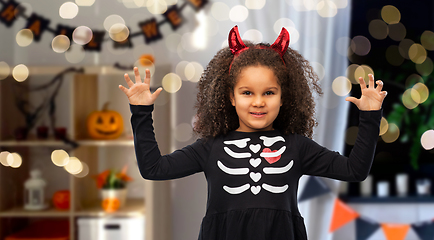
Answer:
(270, 88)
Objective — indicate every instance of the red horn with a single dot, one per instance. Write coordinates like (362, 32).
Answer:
(282, 42)
(235, 42)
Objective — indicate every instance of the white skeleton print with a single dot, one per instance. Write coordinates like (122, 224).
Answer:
(266, 154)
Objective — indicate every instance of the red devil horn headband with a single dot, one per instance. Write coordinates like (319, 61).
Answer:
(237, 46)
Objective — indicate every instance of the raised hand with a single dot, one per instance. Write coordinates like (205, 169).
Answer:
(372, 97)
(139, 93)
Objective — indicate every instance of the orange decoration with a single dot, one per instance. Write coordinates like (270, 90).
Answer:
(146, 59)
(105, 124)
(61, 199)
(395, 231)
(342, 214)
(111, 204)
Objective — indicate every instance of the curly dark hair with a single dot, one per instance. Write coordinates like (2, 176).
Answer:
(215, 113)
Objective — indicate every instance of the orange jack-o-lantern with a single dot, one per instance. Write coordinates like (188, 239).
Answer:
(61, 199)
(110, 204)
(105, 124)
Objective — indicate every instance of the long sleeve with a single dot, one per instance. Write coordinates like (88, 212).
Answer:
(319, 161)
(152, 165)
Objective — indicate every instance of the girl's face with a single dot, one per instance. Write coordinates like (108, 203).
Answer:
(256, 98)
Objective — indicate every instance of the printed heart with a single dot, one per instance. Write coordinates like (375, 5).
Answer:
(255, 176)
(255, 189)
(271, 160)
(255, 162)
(255, 148)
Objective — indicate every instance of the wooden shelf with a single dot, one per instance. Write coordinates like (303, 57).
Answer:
(58, 143)
(132, 208)
(21, 212)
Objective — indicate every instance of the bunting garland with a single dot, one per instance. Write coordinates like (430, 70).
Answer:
(149, 28)
(365, 227)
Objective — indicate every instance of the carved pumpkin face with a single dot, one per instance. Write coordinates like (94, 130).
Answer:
(61, 199)
(105, 124)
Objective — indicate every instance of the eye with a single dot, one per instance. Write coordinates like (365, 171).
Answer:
(269, 93)
(247, 93)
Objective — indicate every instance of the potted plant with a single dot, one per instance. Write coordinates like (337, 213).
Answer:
(112, 185)
(413, 122)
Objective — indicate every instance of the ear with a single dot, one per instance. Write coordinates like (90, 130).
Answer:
(231, 95)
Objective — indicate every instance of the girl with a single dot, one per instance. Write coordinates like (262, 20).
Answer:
(255, 116)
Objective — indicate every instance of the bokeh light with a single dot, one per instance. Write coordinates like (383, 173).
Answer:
(427, 140)
(4, 70)
(3, 158)
(341, 3)
(351, 135)
(84, 172)
(193, 71)
(143, 64)
(341, 86)
(75, 54)
(253, 35)
(393, 56)
(183, 132)
(390, 14)
(392, 133)
(82, 35)
(378, 29)
(220, 11)
(156, 6)
(60, 157)
(422, 93)
(74, 166)
(417, 53)
(187, 42)
(24, 37)
(327, 9)
(60, 43)
(404, 46)
(427, 40)
(20, 73)
(68, 10)
(397, 31)
(238, 13)
(112, 20)
(255, 4)
(283, 22)
(84, 2)
(384, 125)
(412, 80)
(180, 69)
(171, 83)
(351, 73)
(363, 71)
(360, 45)
(119, 32)
(425, 68)
(14, 160)
(408, 98)
(319, 69)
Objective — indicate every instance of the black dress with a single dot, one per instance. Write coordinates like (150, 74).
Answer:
(253, 177)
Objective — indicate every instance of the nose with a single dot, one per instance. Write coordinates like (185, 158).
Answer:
(258, 101)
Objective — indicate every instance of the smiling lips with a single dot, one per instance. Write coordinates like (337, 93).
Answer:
(258, 114)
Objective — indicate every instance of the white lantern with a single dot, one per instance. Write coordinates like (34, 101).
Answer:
(34, 196)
